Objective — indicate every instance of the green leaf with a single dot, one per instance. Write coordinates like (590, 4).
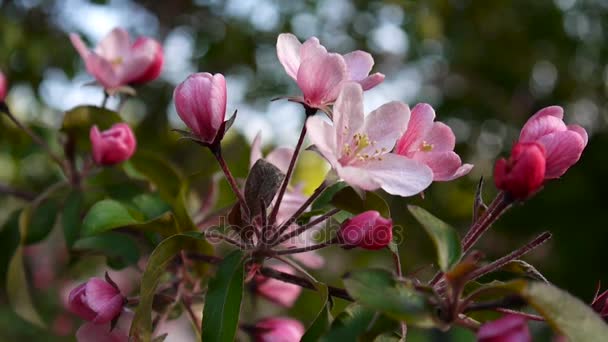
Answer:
(323, 320)
(41, 221)
(163, 254)
(9, 241)
(350, 324)
(159, 171)
(120, 249)
(70, 217)
(565, 313)
(150, 204)
(347, 199)
(522, 268)
(262, 184)
(223, 300)
(78, 121)
(445, 238)
(324, 200)
(377, 289)
(106, 215)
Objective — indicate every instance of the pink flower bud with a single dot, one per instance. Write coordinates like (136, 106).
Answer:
(3, 86)
(156, 66)
(279, 292)
(200, 102)
(116, 62)
(511, 328)
(523, 174)
(367, 230)
(113, 146)
(563, 144)
(96, 300)
(278, 329)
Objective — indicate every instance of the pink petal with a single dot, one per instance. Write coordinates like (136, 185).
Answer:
(421, 121)
(77, 303)
(445, 165)
(581, 131)
(311, 48)
(310, 259)
(359, 64)
(90, 332)
(545, 121)
(98, 293)
(320, 77)
(385, 125)
(114, 45)
(348, 114)
(139, 59)
(256, 149)
(372, 81)
(280, 157)
(562, 150)
(440, 137)
(358, 177)
(81, 48)
(154, 67)
(399, 175)
(288, 51)
(278, 291)
(323, 136)
(104, 72)
(109, 310)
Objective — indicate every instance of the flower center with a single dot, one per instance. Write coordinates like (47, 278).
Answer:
(117, 61)
(426, 147)
(354, 150)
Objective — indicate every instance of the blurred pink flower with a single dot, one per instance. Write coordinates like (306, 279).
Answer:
(278, 329)
(510, 328)
(563, 144)
(320, 74)
(277, 291)
(90, 332)
(358, 147)
(114, 145)
(367, 230)
(96, 300)
(431, 143)
(200, 102)
(3, 86)
(523, 173)
(117, 62)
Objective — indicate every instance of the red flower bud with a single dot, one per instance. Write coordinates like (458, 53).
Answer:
(96, 300)
(278, 329)
(511, 328)
(113, 146)
(523, 173)
(367, 230)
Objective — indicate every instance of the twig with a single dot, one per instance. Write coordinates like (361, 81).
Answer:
(217, 153)
(21, 194)
(307, 226)
(306, 249)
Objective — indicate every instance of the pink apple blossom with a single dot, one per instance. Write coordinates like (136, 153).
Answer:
(278, 329)
(358, 147)
(200, 102)
(563, 144)
(523, 173)
(3, 86)
(277, 291)
(510, 328)
(432, 143)
(96, 300)
(117, 62)
(367, 230)
(320, 74)
(114, 145)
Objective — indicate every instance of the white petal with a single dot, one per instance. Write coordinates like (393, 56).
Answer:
(348, 114)
(399, 175)
(385, 125)
(288, 51)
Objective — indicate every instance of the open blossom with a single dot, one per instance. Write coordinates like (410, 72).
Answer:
(114, 145)
(358, 147)
(293, 199)
(3, 86)
(319, 73)
(432, 143)
(563, 144)
(367, 230)
(96, 300)
(511, 328)
(200, 102)
(277, 291)
(117, 62)
(278, 329)
(523, 173)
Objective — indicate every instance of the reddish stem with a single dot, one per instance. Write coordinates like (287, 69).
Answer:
(217, 153)
(307, 226)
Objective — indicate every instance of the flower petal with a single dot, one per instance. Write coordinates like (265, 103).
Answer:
(311, 48)
(545, 121)
(288, 51)
(348, 114)
(320, 76)
(358, 177)
(256, 149)
(109, 310)
(371, 81)
(385, 125)
(90, 332)
(359, 64)
(562, 150)
(98, 293)
(115, 45)
(310, 259)
(421, 121)
(103, 72)
(441, 137)
(399, 175)
(581, 131)
(280, 157)
(446, 165)
(323, 136)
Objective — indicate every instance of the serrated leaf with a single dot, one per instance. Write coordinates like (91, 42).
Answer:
(445, 238)
(565, 313)
(262, 185)
(223, 300)
(378, 290)
(161, 256)
(347, 199)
